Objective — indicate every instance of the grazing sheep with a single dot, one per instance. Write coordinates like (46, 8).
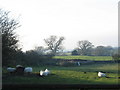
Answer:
(47, 71)
(43, 73)
(78, 63)
(20, 70)
(28, 70)
(100, 74)
(18, 66)
(11, 70)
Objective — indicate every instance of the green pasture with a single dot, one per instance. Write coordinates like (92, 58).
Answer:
(86, 74)
(96, 58)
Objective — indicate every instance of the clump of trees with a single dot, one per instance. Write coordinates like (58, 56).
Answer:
(75, 52)
(9, 38)
(103, 51)
(87, 48)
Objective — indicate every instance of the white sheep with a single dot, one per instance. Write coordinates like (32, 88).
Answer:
(78, 63)
(43, 73)
(18, 66)
(47, 71)
(100, 74)
(9, 69)
(28, 70)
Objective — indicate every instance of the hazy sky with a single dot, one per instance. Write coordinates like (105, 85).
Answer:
(92, 20)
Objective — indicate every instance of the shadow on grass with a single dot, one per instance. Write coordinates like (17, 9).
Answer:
(53, 81)
(35, 78)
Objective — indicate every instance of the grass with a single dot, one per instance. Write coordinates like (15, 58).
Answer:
(68, 75)
(110, 67)
(96, 58)
(64, 77)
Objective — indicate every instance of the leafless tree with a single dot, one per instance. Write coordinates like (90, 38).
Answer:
(84, 47)
(54, 44)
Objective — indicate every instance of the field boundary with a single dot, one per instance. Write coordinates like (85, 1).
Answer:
(84, 61)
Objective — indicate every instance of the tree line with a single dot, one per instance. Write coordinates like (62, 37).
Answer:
(12, 54)
(87, 48)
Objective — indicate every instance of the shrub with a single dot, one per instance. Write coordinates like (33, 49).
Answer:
(66, 63)
(116, 57)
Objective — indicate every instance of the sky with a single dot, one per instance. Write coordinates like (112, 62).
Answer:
(76, 20)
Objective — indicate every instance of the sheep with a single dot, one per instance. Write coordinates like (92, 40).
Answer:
(11, 70)
(43, 73)
(18, 66)
(78, 63)
(20, 70)
(100, 74)
(47, 71)
(28, 70)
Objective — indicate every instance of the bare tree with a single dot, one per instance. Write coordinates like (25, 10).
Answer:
(84, 47)
(54, 44)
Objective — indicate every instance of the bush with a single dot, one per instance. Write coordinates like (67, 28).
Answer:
(66, 63)
(116, 57)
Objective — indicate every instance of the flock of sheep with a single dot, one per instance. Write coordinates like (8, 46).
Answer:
(41, 73)
(13, 70)
(20, 68)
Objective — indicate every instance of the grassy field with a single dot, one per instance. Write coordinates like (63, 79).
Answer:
(96, 58)
(68, 75)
